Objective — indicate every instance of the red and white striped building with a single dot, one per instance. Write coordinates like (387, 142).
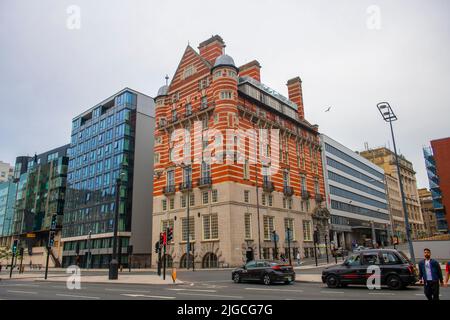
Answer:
(219, 104)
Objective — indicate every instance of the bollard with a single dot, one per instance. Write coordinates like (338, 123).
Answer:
(174, 274)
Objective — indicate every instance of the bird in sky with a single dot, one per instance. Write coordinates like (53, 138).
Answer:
(328, 109)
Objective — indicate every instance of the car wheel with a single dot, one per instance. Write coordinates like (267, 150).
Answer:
(288, 282)
(266, 279)
(236, 278)
(332, 281)
(394, 282)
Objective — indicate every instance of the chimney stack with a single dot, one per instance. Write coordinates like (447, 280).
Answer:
(251, 69)
(212, 48)
(296, 95)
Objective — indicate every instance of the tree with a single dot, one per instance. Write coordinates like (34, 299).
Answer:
(5, 253)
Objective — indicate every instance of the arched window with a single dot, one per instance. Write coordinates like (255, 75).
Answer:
(169, 261)
(183, 261)
(210, 261)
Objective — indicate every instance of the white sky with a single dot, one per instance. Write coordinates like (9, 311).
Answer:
(49, 73)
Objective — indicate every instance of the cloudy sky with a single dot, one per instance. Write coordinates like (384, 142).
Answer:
(350, 55)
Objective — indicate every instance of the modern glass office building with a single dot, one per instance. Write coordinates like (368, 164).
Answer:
(110, 140)
(34, 195)
(356, 196)
(7, 196)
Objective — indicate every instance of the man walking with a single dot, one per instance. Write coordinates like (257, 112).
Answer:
(298, 258)
(430, 274)
(447, 271)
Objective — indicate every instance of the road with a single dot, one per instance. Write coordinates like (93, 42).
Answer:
(201, 285)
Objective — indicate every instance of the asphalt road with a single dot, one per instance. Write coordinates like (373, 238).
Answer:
(202, 285)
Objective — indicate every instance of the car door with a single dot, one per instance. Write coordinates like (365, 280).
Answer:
(260, 270)
(350, 271)
(246, 274)
(390, 264)
(368, 259)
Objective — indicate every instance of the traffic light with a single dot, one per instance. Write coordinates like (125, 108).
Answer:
(53, 223)
(21, 252)
(157, 247)
(14, 246)
(130, 250)
(161, 238)
(169, 234)
(51, 238)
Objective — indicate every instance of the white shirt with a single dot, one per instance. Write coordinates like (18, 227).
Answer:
(428, 270)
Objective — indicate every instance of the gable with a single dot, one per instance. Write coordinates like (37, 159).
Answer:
(191, 66)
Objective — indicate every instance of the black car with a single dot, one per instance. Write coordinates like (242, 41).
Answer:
(397, 271)
(264, 271)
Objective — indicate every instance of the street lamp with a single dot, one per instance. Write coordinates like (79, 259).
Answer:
(114, 264)
(88, 262)
(188, 186)
(388, 115)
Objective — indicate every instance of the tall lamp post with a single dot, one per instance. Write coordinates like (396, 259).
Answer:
(388, 115)
(88, 260)
(114, 264)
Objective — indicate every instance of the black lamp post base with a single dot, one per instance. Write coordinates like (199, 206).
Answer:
(114, 270)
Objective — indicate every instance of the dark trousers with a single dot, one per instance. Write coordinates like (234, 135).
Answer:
(431, 289)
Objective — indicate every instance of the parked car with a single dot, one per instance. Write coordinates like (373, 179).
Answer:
(264, 271)
(397, 271)
(360, 248)
(339, 252)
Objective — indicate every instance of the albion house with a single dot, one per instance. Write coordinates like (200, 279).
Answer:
(236, 205)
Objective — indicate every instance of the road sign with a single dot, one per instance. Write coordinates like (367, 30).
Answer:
(289, 235)
(275, 237)
(31, 235)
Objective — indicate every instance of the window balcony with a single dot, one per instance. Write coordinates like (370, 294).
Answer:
(169, 190)
(288, 191)
(305, 195)
(204, 182)
(188, 113)
(268, 186)
(185, 186)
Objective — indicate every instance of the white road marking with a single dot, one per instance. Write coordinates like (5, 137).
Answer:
(383, 293)
(423, 295)
(332, 292)
(196, 290)
(26, 292)
(209, 295)
(26, 285)
(74, 296)
(146, 296)
(268, 289)
(128, 290)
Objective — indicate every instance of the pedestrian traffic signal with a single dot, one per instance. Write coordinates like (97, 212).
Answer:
(14, 246)
(169, 234)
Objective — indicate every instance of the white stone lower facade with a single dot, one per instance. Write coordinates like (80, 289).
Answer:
(226, 227)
